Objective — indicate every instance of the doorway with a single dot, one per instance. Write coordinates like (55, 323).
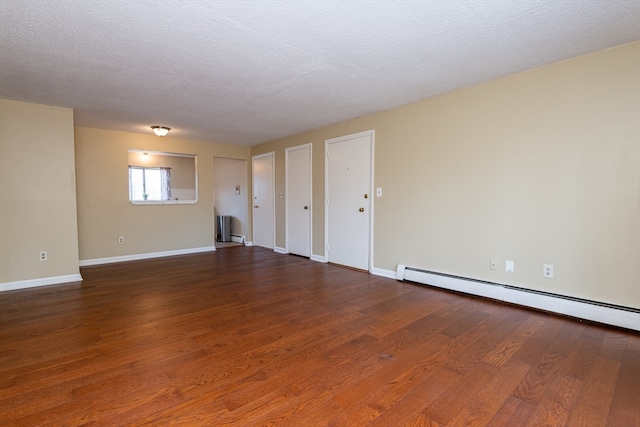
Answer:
(348, 187)
(230, 198)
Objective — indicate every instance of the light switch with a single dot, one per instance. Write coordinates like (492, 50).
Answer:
(379, 192)
(509, 266)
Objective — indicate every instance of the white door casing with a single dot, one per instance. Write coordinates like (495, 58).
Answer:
(298, 200)
(349, 205)
(263, 203)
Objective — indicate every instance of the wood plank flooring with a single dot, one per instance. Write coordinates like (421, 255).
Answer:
(247, 337)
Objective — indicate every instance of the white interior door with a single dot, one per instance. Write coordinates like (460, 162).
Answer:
(348, 186)
(298, 191)
(263, 200)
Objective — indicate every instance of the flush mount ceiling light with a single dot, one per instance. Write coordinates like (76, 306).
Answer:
(160, 130)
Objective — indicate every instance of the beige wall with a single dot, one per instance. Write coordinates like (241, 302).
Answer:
(538, 167)
(104, 211)
(37, 192)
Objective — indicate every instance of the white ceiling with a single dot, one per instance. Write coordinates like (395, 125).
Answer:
(246, 72)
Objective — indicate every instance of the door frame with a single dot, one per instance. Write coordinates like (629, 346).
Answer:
(273, 194)
(327, 143)
(308, 145)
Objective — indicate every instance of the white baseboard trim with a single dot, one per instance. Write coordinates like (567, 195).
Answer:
(34, 283)
(384, 273)
(249, 243)
(237, 239)
(137, 257)
(581, 309)
(317, 258)
(279, 250)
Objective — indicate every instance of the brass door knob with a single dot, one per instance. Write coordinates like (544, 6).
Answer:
(306, 207)
(361, 209)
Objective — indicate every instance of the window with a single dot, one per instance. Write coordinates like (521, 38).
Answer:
(149, 184)
(157, 177)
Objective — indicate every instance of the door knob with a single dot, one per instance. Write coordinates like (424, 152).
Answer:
(256, 206)
(361, 209)
(306, 207)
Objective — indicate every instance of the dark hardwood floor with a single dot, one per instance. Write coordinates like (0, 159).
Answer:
(248, 337)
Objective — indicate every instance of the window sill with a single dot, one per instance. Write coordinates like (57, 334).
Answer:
(163, 202)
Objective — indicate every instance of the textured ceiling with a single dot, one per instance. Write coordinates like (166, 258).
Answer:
(246, 72)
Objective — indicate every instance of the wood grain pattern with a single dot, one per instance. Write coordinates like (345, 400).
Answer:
(248, 337)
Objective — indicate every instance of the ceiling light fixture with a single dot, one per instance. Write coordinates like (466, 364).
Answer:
(160, 130)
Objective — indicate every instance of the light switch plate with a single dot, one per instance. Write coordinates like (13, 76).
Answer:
(509, 266)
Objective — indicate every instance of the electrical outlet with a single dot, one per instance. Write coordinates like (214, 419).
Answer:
(547, 271)
(120, 240)
(43, 256)
(509, 266)
(493, 264)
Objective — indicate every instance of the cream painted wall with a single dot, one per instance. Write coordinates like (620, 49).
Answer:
(104, 212)
(37, 192)
(538, 167)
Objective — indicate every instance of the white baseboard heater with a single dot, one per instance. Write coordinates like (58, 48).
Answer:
(610, 314)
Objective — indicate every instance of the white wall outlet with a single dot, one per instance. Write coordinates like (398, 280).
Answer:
(379, 192)
(120, 240)
(547, 271)
(509, 266)
(493, 264)
(42, 256)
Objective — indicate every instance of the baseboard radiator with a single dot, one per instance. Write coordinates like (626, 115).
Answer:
(610, 314)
